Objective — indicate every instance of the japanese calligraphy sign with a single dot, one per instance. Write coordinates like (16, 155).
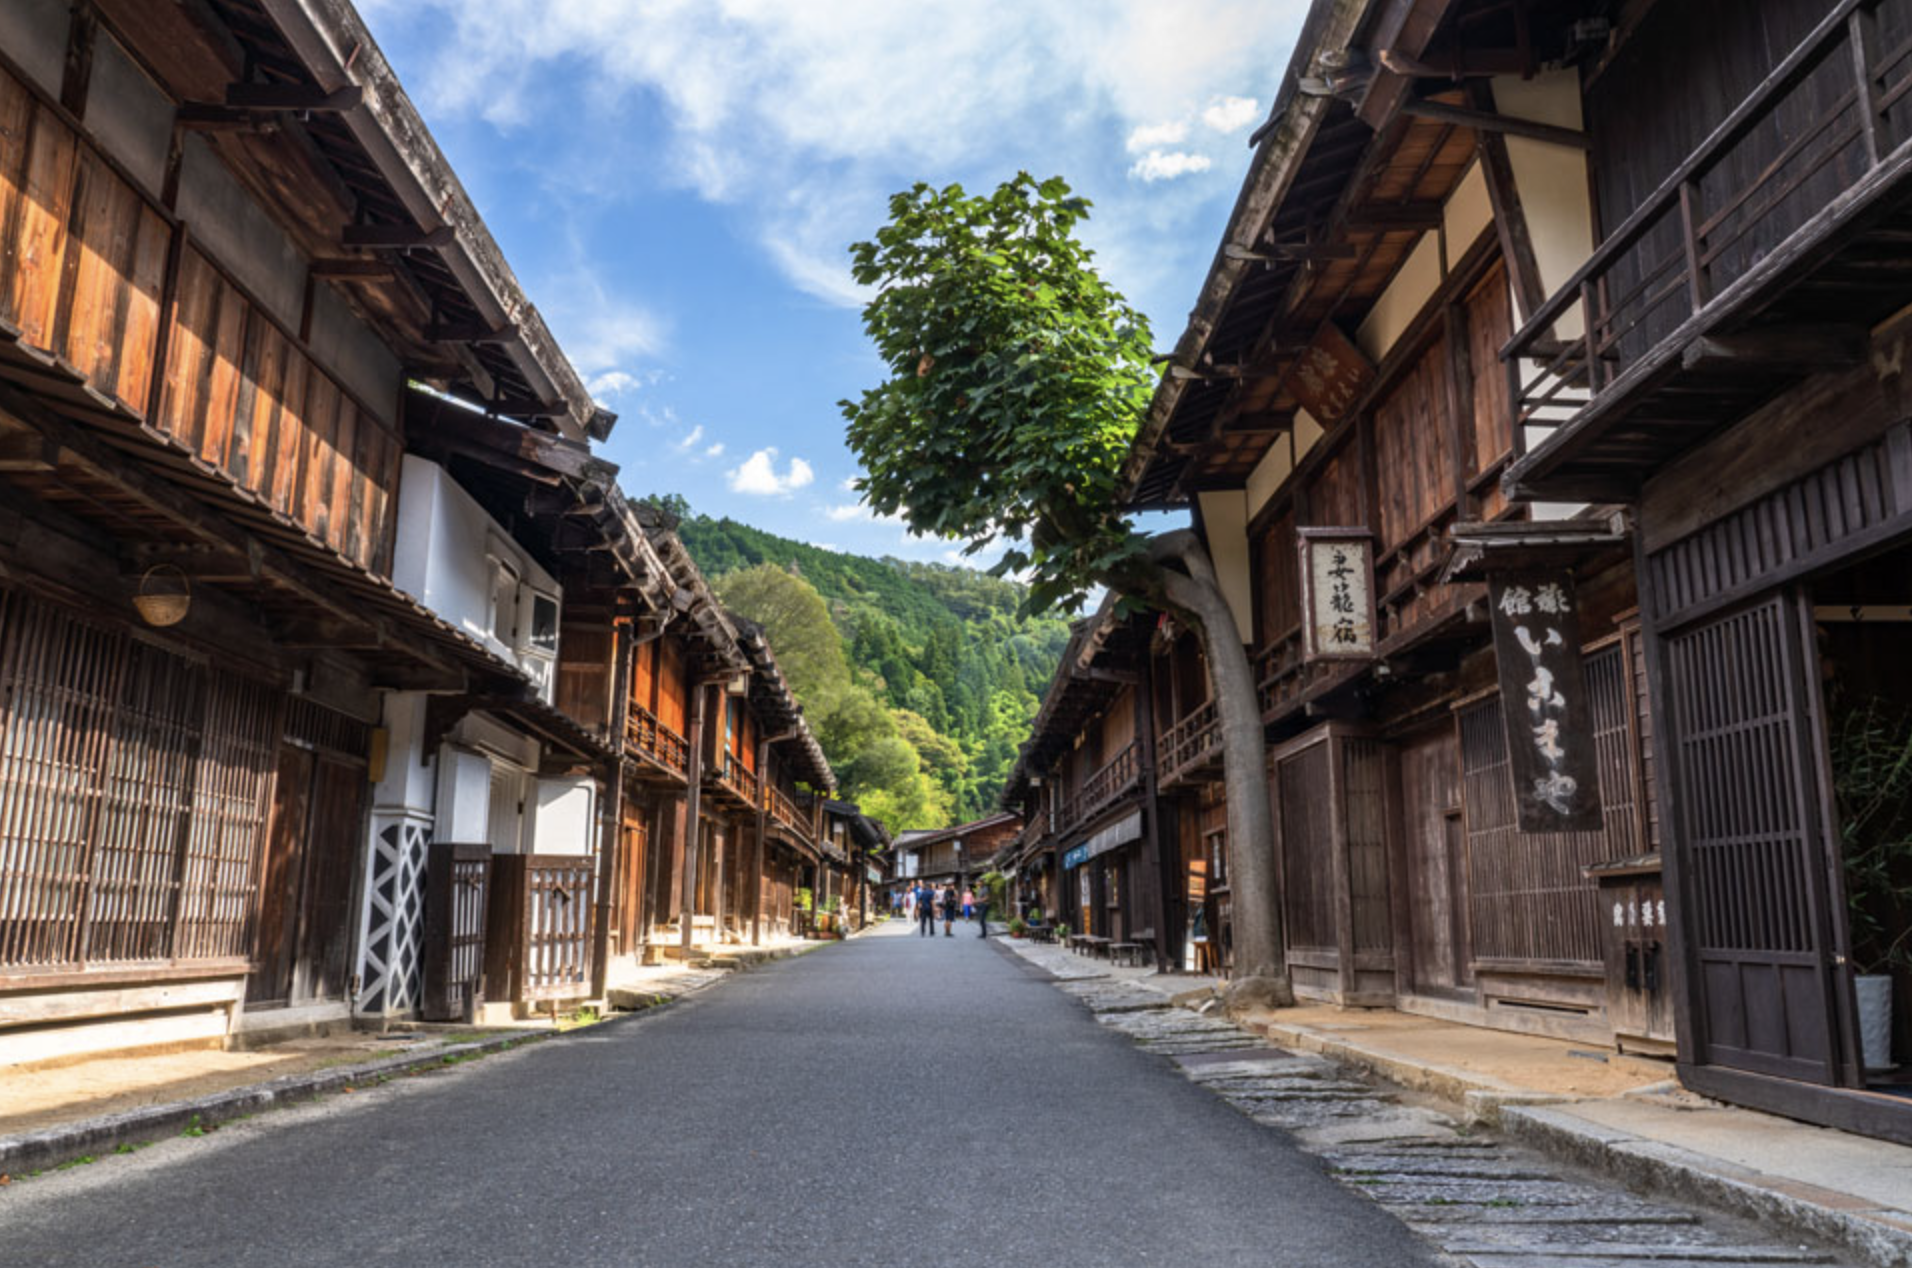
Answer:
(1330, 377)
(1337, 593)
(1543, 700)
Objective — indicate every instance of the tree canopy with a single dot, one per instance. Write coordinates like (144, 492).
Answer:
(990, 316)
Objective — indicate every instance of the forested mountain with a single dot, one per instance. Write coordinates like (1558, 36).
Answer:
(920, 679)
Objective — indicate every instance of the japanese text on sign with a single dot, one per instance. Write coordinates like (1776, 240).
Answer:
(1549, 739)
(1339, 596)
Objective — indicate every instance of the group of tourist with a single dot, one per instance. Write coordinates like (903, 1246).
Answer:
(924, 904)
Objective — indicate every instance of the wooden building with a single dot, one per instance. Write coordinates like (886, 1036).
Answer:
(227, 246)
(1335, 418)
(1734, 375)
(1101, 852)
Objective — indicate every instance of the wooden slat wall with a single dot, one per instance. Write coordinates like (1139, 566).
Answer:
(1531, 905)
(672, 685)
(1411, 451)
(1334, 497)
(644, 675)
(1488, 430)
(245, 399)
(1118, 724)
(83, 265)
(1279, 572)
(1365, 774)
(586, 655)
(1307, 849)
(1777, 535)
(134, 794)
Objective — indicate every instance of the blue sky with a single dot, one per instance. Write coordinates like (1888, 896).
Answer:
(676, 185)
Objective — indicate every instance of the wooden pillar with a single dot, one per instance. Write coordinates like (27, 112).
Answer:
(757, 850)
(1159, 861)
(686, 878)
(611, 815)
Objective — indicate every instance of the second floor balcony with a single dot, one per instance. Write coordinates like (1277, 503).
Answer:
(728, 775)
(658, 749)
(1122, 774)
(1766, 255)
(1191, 750)
(787, 813)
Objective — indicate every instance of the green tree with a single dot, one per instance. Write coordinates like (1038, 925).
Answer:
(1017, 379)
(798, 625)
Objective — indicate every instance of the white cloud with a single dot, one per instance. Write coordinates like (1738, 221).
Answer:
(689, 442)
(803, 118)
(611, 385)
(1167, 165)
(758, 475)
(849, 484)
(1230, 114)
(1155, 136)
(715, 451)
(846, 511)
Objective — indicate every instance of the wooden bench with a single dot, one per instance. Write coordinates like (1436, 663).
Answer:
(1090, 944)
(1039, 933)
(1126, 952)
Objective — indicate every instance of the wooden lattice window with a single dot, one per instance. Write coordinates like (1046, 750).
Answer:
(1531, 905)
(134, 787)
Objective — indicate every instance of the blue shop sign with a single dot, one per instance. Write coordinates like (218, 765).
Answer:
(1076, 857)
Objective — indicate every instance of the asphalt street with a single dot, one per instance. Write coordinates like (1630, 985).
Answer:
(891, 1100)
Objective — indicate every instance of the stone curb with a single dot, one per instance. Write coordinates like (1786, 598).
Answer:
(31, 1151)
(26, 1152)
(1879, 1236)
(1481, 1096)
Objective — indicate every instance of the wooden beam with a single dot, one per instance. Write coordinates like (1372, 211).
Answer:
(298, 98)
(1488, 121)
(1386, 217)
(156, 495)
(398, 237)
(1510, 219)
(353, 267)
(1456, 63)
(28, 451)
(1805, 348)
(470, 332)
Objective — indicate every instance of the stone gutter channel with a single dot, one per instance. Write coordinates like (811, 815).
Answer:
(1535, 1194)
(26, 1153)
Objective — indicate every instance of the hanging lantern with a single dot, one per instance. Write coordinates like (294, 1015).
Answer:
(164, 595)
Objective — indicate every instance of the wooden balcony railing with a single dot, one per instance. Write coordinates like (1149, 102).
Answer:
(538, 933)
(739, 780)
(656, 743)
(1121, 774)
(1189, 744)
(1772, 174)
(784, 809)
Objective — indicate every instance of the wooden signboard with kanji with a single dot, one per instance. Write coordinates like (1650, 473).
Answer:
(1337, 593)
(1331, 376)
(1543, 701)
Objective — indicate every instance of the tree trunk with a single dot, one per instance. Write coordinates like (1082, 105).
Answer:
(1261, 970)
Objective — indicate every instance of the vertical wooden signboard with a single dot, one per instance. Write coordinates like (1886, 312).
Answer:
(1337, 593)
(1544, 702)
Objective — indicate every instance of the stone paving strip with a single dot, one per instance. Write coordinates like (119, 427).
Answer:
(1479, 1199)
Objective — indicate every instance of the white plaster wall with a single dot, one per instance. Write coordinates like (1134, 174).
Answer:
(464, 795)
(1468, 212)
(1225, 524)
(1308, 433)
(442, 556)
(564, 816)
(1406, 295)
(1552, 180)
(1266, 479)
(407, 784)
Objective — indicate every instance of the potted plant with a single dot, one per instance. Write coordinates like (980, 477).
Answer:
(1016, 927)
(1871, 742)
